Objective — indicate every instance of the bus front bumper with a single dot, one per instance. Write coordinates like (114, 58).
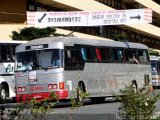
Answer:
(63, 94)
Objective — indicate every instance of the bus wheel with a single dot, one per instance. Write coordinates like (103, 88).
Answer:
(80, 90)
(3, 94)
(134, 86)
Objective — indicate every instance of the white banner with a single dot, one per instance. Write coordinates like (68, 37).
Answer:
(89, 18)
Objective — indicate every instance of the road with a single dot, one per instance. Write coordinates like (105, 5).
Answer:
(88, 111)
(107, 110)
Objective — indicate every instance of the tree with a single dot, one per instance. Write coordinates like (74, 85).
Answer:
(119, 37)
(30, 33)
(153, 52)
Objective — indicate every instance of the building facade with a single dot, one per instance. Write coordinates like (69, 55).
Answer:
(13, 17)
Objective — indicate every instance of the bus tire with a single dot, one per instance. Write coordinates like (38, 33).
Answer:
(80, 90)
(3, 94)
(134, 86)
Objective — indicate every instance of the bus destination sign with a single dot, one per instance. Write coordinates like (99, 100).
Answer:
(34, 47)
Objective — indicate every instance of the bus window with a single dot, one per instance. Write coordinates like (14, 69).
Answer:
(45, 58)
(83, 51)
(56, 59)
(40, 59)
(143, 56)
(117, 54)
(154, 65)
(88, 53)
(158, 66)
(131, 56)
(26, 61)
(99, 55)
(103, 54)
(73, 59)
(5, 54)
(8, 52)
(50, 58)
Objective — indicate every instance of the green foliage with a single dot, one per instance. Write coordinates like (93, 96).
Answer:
(119, 37)
(137, 105)
(82, 97)
(37, 108)
(153, 52)
(30, 33)
(40, 108)
(44, 105)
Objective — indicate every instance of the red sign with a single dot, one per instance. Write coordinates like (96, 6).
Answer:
(36, 87)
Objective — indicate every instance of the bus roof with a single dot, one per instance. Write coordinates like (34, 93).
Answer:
(70, 41)
(12, 41)
(152, 57)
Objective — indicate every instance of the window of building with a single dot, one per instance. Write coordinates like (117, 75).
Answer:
(37, 6)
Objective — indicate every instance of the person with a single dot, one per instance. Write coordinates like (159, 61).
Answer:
(134, 59)
(26, 66)
(56, 61)
(8, 58)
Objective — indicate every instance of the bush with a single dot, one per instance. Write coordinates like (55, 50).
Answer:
(137, 105)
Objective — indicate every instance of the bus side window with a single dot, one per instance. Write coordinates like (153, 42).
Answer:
(131, 56)
(120, 54)
(158, 66)
(12, 52)
(73, 59)
(99, 56)
(143, 58)
(83, 51)
(103, 54)
(5, 55)
(107, 55)
(89, 53)
(117, 55)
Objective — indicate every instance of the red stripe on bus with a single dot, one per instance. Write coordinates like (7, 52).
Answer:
(63, 94)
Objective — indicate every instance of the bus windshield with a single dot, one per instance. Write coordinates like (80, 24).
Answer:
(154, 65)
(39, 59)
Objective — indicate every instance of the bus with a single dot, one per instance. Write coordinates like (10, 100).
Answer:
(98, 67)
(155, 66)
(7, 60)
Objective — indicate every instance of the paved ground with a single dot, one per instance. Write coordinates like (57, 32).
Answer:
(107, 110)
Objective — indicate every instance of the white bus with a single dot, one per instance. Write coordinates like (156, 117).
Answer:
(99, 67)
(7, 60)
(155, 66)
